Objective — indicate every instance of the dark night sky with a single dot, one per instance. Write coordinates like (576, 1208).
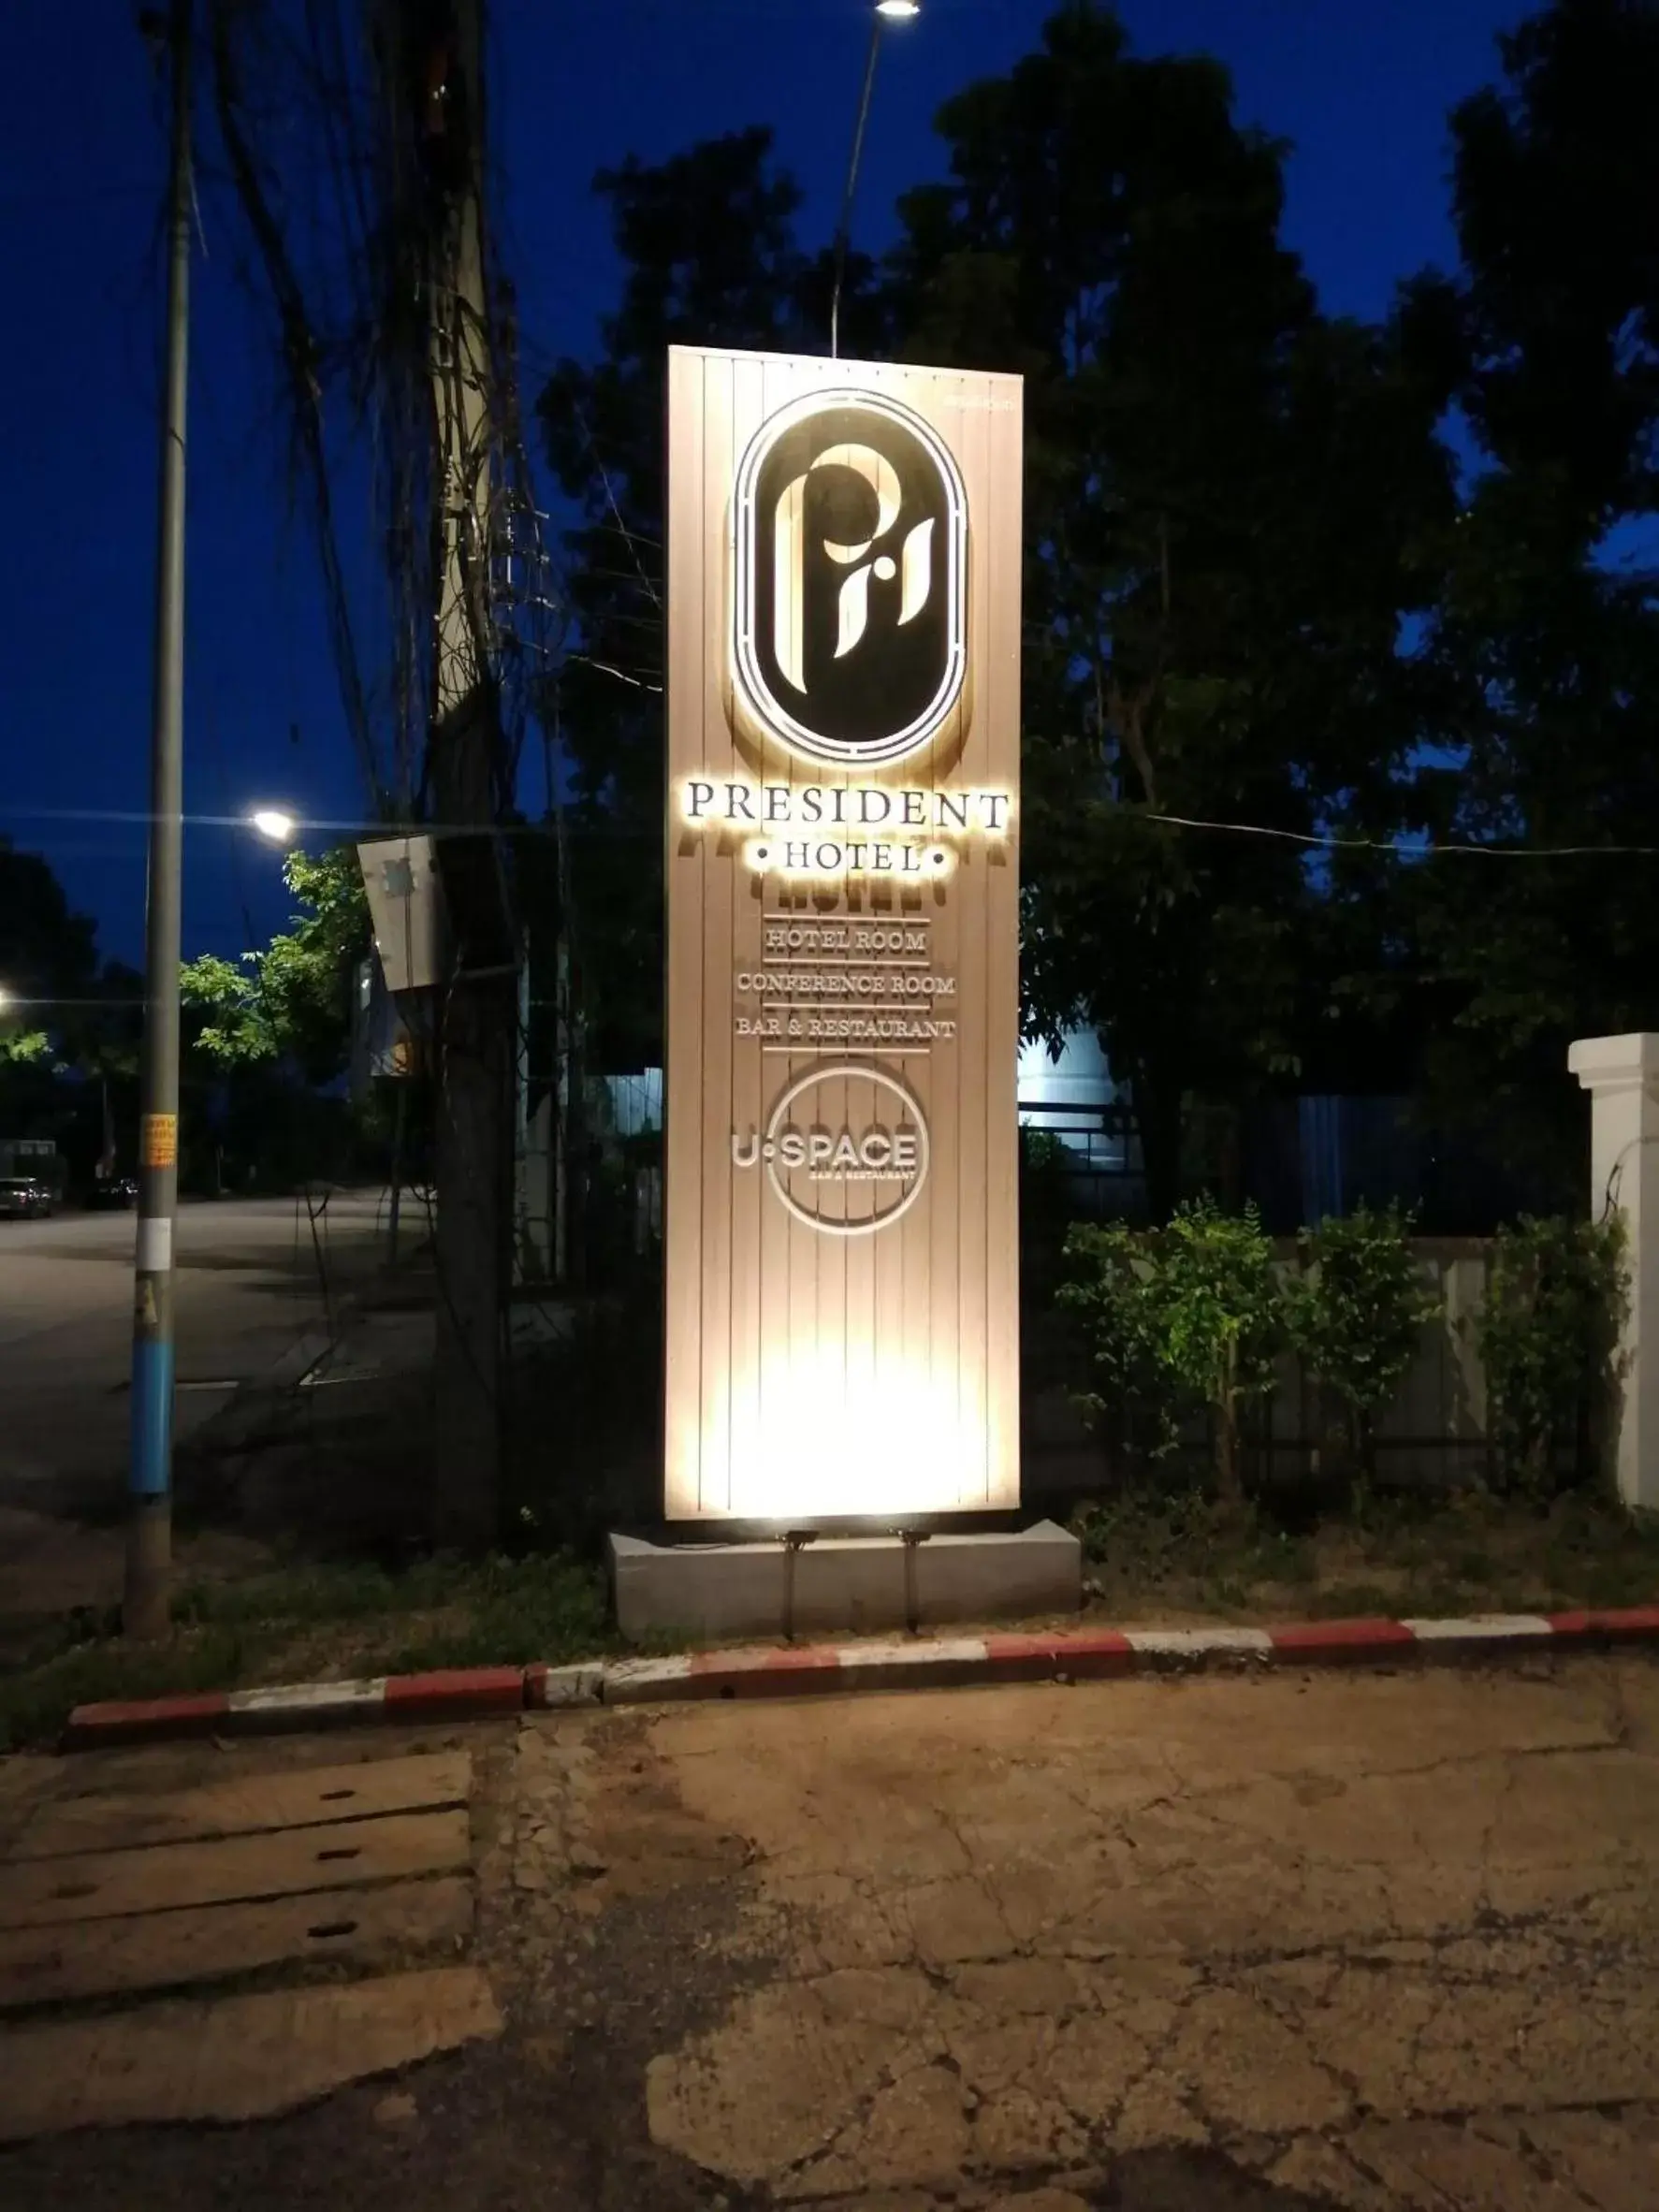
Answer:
(1360, 87)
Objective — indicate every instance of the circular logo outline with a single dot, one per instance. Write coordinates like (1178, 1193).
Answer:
(870, 1072)
(806, 744)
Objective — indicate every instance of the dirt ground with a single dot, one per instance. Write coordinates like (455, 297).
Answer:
(1381, 1943)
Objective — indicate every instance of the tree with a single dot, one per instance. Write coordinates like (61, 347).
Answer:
(1557, 1298)
(56, 998)
(357, 146)
(1185, 1316)
(707, 243)
(1558, 225)
(1356, 1315)
(65, 1018)
(48, 957)
(40, 943)
(292, 1001)
(269, 1034)
(1546, 637)
(1226, 496)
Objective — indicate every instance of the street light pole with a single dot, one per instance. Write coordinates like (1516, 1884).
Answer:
(149, 1525)
(878, 24)
(883, 12)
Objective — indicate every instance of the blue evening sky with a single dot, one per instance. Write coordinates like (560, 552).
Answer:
(1360, 88)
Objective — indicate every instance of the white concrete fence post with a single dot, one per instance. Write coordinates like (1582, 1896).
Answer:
(1621, 1075)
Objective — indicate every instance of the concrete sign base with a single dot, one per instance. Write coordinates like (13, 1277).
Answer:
(836, 1584)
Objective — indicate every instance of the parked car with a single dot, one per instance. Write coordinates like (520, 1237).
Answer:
(23, 1200)
(116, 1192)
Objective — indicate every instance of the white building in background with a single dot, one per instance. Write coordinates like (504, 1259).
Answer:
(635, 1101)
(1074, 1099)
(618, 1106)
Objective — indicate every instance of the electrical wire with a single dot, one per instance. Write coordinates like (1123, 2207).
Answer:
(640, 683)
(604, 477)
(238, 883)
(1402, 847)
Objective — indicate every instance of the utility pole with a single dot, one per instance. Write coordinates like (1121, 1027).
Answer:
(149, 1526)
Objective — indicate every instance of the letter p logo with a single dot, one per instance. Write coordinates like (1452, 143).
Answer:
(852, 552)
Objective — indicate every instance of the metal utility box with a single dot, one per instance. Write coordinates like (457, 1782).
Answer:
(406, 906)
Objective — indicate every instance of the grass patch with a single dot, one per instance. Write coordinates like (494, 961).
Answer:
(309, 1622)
(1149, 1555)
(552, 1597)
(38, 1695)
(1464, 1553)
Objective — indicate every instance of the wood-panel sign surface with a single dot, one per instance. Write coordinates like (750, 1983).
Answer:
(843, 878)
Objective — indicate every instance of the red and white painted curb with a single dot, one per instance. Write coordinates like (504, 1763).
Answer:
(1062, 1655)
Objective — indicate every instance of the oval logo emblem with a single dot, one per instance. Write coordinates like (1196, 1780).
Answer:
(845, 1149)
(851, 554)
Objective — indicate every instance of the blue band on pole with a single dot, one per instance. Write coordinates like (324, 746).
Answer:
(153, 1419)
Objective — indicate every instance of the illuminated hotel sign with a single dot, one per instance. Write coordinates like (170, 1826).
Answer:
(843, 825)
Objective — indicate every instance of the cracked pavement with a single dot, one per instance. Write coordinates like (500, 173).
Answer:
(1384, 1943)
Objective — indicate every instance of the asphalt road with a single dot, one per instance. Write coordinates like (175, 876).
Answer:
(1365, 1943)
(248, 1284)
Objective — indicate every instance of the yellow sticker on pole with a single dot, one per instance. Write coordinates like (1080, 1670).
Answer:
(158, 1139)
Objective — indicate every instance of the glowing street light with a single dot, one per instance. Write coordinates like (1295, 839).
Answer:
(270, 821)
(884, 12)
(4, 998)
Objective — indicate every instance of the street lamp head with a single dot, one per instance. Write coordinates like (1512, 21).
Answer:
(4, 998)
(898, 11)
(270, 821)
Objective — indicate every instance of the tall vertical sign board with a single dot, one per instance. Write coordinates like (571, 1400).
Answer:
(843, 879)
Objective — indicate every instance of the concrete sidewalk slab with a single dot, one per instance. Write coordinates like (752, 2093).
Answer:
(236, 2059)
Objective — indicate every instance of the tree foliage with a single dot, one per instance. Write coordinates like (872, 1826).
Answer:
(60, 1005)
(1546, 630)
(707, 243)
(1189, 1316)
(1556, 1299)
(1300, 574)
(44, 947)
(1113, 1294)
(1357, 1312)
(48, 953)
(1226, 1320)
(290, 1002)
(1228, 498)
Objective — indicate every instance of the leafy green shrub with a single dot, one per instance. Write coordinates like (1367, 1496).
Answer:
(1188, 1316)
(1224, 1318)
(1046, 1152)
(1115, 1295)
(1357, 1314)
(1556, 1299)
(1045, 1210)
